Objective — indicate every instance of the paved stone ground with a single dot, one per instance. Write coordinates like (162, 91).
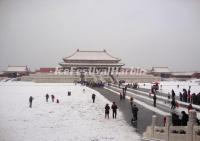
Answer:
(144, 115)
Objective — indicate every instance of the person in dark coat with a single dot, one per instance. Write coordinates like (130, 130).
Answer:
(188, 96)
(181, 96)
(173, 94)
(114, 109)
(125, 89)
(120, 96)
(52, 98)
(47, 97)
(198, 99)
(124, 93)
(93, 97)
(194, 98)
(135, 112)
(107, 110)
(184, 118)
(175, 120)
(57, 101)
(173, 104)
(131, 101)
(184, 95)
(30, 101)
(154, 100)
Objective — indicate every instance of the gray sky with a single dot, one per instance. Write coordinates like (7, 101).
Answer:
(143, 33)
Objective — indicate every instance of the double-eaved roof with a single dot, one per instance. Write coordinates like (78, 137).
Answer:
(91, 55)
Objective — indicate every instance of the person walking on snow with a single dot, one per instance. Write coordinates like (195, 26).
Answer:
(52, 98)
(30, 101)
(93, 97)
(154, 100)
(57, 101)
(47, 97)
(131, 101)
(120, 96)
(114, 109)
(134, 111)
(107, 111)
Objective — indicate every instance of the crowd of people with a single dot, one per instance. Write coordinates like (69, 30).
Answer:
(187, 96)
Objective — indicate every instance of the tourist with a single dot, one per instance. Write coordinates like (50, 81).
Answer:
(198, 99)
(120, 96)
(30, 101)
(194, 98)
(181, 96)
(125, 88)
(52, 98)
(135, 112)
(189, 107)
(175, 120)
(69, 93)
(173, 104)
(164, 121)
(173, 94)
(124, 93)
(57, 101)
(93, 97)
(168, 96)
(114, 110)
(184, 118)
(154, 100)
(184, 95)
(188, 96)
(83, 90)
(47, 97)
(131, 101)
(107, 110)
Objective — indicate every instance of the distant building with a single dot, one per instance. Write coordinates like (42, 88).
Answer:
(132, 71)
(185, 75)
(15, 71)
(182, 75)
(161, 71)
(93, 61)
(46, 70)
(196, 75)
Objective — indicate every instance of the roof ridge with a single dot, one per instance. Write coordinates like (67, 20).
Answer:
(16, 66)
(91, 51)
(112, 56)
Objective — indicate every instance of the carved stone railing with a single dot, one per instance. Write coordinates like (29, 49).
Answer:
(191, 132)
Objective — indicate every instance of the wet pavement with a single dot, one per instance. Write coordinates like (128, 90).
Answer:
(144, 115)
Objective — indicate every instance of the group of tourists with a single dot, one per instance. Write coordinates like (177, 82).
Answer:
(123, 94)
(114, 110)
(47, 99)
(180, 121)
(187, 96)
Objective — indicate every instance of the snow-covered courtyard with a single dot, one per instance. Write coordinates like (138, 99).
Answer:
(75, 118)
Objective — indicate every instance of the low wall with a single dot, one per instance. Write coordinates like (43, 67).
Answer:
(191, 132)
(138, 78)
(51, 78)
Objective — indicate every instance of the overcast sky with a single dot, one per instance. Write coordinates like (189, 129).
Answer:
(143, 33)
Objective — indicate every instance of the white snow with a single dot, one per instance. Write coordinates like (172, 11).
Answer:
(75, 118)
